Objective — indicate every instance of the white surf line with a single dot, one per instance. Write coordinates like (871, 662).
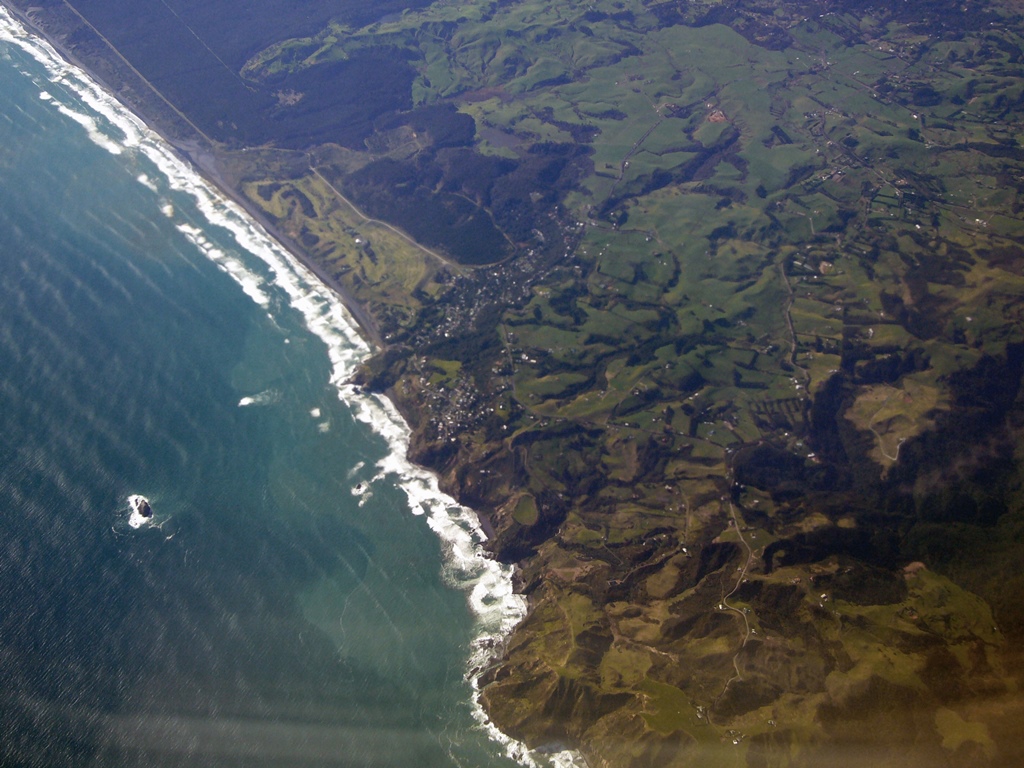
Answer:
(486, 582)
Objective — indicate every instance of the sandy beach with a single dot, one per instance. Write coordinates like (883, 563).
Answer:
(202, 153)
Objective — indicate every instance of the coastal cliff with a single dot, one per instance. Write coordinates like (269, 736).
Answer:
(729, 358)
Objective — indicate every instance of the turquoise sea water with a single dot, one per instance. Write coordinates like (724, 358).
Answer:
(301, 596)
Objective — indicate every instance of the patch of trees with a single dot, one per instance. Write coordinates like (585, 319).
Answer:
(341, 102)
(874, 547)
(192, 52)
(756, 30)
(607, 114)
(564, 303)
(699, 167)
(444, 125)
(934, 16)
(582, 133)
(671, 13)
(402, 192)
(473, 207)
(472, 174)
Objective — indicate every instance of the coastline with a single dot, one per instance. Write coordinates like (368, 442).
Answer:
(457, 532)
(201, 153)
(205, 163)
(629, 637)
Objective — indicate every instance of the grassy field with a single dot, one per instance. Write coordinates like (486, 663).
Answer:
(764, 259)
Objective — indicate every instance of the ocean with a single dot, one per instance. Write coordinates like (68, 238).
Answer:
(301, 595)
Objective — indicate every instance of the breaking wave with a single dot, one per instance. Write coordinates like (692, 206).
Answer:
(264, 270)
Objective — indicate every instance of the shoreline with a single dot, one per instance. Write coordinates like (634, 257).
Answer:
(595, 486)
(200, 155)
(205, 163)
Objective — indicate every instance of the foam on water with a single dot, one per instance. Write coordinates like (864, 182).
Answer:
(92, 128)
(487, 583)
(251, 283)
(145, 181)
(266, 397)
(139, 506)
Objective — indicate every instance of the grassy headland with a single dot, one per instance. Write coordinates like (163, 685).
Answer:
(714, 308)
